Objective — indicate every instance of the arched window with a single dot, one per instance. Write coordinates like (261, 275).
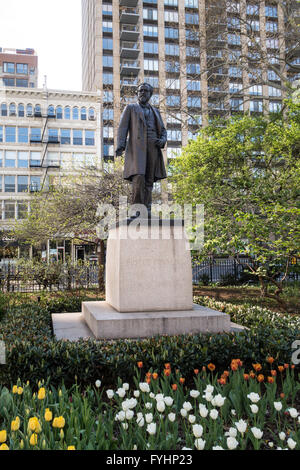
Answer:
(38, 110)
(51, 111)
(21, 110)
(75, 113)
(3, 109)
(29, 110)
(83, 114)
(92, 116)
(67, 113)
(59, 112)
(12, 109)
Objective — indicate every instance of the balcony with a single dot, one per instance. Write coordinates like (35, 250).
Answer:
(129, 50)
(129, 15)
(130, 67)
(129, 84)
(128, 3)
(129, 32)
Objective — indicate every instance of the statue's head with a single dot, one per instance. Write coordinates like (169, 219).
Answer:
(144, 93)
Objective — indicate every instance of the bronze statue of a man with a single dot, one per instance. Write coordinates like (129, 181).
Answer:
(144, 162)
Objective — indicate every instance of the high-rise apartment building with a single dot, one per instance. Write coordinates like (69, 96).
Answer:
(203, 57)
(18, 68)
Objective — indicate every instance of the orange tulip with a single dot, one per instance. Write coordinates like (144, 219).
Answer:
(149, 375)
(270, 380)
(167, 366)
(273, 372)
(154, 375)
(167, 372)
(252, 374)
(211, 367)
(181, 380)
(140, 364)
(174, 387)
(270, 359)
(280, 368)
(222, 381)
(257, 367)
(196, 371)
(286, 366)
(260, 378)
(282, 395)
(226, 373)
(293, 366)
(234, 366)
(203, 368)
(148, 381)
(246, 376)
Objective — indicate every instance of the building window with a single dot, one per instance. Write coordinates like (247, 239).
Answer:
(235, 72)
(173, 84)
(37, 110)
(255, 90)
(256, 106)
(172, 49)
(233, 22)
(171, 3)
(9, 210)
(59, 112)
(10, 159)
(271, 11)
(272, 43)
(3, 109)
(193, 68)
(9, 184)
(172, 66)
(21, 110)
(171, 16)
(174, 135)
(65, 136)
(22, 210)
(89, 137)
(253, 25)
(108, 150)
(275, 106)
(108, 114)
(193, 85)
(153, 81)
(271, 26)
(22, 69)
(194, 101)
(150, 30)
(107, 43)
(77, 137)
(236, 104)
(195, 120)
(23, 135)
(191, 35)
(35, 183)
(274, 91)
(35, 134)
(107, 27)
(10, 134)
(67, 112)
(150, 14)
(108, 79)
(23, 158)
(150, 47)
(22, 82)
(107, 61)
(83, 114)
(273, 75)
(192, 18)
(108, 132)
(53, 136)
(12, 109)
(107, 9)
(234, 39)
(191, 3)
(252, 9)
(1, 133)
(235, 87)
(192, 51)
(22, 184)
(35, 159)
(75, 113)
(8, 67)
(173, 100)
(171, 33)
(150, 64)
(108, 96)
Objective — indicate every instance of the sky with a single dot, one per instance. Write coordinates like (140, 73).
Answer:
(53, 29)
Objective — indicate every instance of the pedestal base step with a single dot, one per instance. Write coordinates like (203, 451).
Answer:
(106, 322)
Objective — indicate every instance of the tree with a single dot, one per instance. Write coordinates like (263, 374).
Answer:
(246, 172)
(69, 210)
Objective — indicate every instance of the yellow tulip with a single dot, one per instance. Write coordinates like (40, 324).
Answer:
(59, 422)
(20, 390)
(71, 448)
(3, 436)
(61, 434)
(42, 393)
(15, 424)
(4, 447)
(33, 439)
(34, 425)
(15, 389)
(48, 415)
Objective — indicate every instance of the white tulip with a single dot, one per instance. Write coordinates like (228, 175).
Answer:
(291, 443)
(125, 405)
(194, 393)
(209, 389)
(98, 383)
(197, 430)
(125, 386)
(125, 425)
(241, 426)
(129, 414)
(160, 406)
(121, 392)
(144, 387)
(172, 417)
(136, 393)
(282, 436)
(148, 405)
(257, 433)
(254, 408)
(120, 416)
(208, 396)
(233, 412)
(140, 422)
(278, 405)
(293, 412)
(271, 444)
(110, 394)
(149, 417)
(187, 406)
(199, 444)
(159, 397)
(203, 410)
(151, 395)
(183, 413)
(218, 400)
(214, 414)
(192, 419)
(254, 397)
(232, 432)
(132, 403)
(151, 428)
(232, 443)
(168, 401)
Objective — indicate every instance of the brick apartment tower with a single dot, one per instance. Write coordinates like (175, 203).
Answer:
(19, 67)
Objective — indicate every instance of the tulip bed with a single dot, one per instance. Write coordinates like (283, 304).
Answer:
(234, 410)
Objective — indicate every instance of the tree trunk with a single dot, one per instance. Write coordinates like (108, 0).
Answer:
(100, 252)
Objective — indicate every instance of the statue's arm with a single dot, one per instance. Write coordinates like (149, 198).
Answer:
(123, 130)
(163, 134)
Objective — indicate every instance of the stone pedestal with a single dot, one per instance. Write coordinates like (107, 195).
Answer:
(149, 285)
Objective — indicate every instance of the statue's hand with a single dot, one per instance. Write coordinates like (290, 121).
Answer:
(119, 151)
(160, 143)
